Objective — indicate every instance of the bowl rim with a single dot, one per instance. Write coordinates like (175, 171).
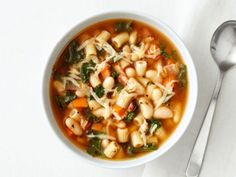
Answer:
(192, 95)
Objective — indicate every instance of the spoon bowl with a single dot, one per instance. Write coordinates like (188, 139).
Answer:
(223, 45)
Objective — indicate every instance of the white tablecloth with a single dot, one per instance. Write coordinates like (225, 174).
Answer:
(29, 30)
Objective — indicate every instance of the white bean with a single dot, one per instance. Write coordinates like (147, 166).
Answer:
(150, 89)
(163, 113)
(105, 143)
(177, 112)
(156, 95)
(130, 72)
(74, 126)
(151, 74)
(108, 83)
(140, 67)
(146, 107)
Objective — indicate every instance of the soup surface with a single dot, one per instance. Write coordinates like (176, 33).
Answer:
(119, 89)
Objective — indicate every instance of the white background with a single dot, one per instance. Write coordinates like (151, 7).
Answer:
(30, 29)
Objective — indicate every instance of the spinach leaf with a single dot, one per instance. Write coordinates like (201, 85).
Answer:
(154, 122)
(94, 147)
(62, 101)
(74, 56)
(91, 117)
(131, 113)
(132, 150)
(182, 76)
(123, 26)
(99, 90)
(85, 71)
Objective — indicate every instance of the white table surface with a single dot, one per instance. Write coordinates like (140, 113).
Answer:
(28, 32)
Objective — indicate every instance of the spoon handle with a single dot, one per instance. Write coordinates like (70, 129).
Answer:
(198, 152)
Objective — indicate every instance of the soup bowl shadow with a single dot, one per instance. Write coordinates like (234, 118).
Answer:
(190, 106)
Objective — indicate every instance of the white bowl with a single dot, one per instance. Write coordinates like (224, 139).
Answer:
(192, 97)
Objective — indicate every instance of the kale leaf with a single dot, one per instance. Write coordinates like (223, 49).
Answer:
(132, 150)
(62, 101)
(154, 122)
(123, 26)
(74, 56)
(182, 76)
(85, 71)
(94, 147)
(99, 90)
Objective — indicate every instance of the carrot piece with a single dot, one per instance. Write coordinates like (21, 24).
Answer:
(112, 132)
(106, 71)
(170, 61)
(80, 103)
(119, 110)
(97, 127)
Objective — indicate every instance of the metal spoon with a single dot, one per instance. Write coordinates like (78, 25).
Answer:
(223, 50)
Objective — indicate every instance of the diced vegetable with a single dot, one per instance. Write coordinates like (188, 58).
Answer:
(99, 90)
(62, 101)
(80, 103)
(123, 26)
(85, 71)
(119, 110)
(106, 71)
(97, 127)
(73, 55)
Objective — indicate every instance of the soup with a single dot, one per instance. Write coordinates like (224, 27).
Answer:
(119, 89)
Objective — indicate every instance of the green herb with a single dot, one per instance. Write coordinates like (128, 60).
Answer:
(131, 114)
(91, 97)
(154, 122)
(91, 117)
(132, 150)
(114, 74)
(99, 90)
(94, 147)
(85, 71)
(74, 56)
(62, 101)
(165, 54)
(182, 76)
(123, 26)
(119, 87)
